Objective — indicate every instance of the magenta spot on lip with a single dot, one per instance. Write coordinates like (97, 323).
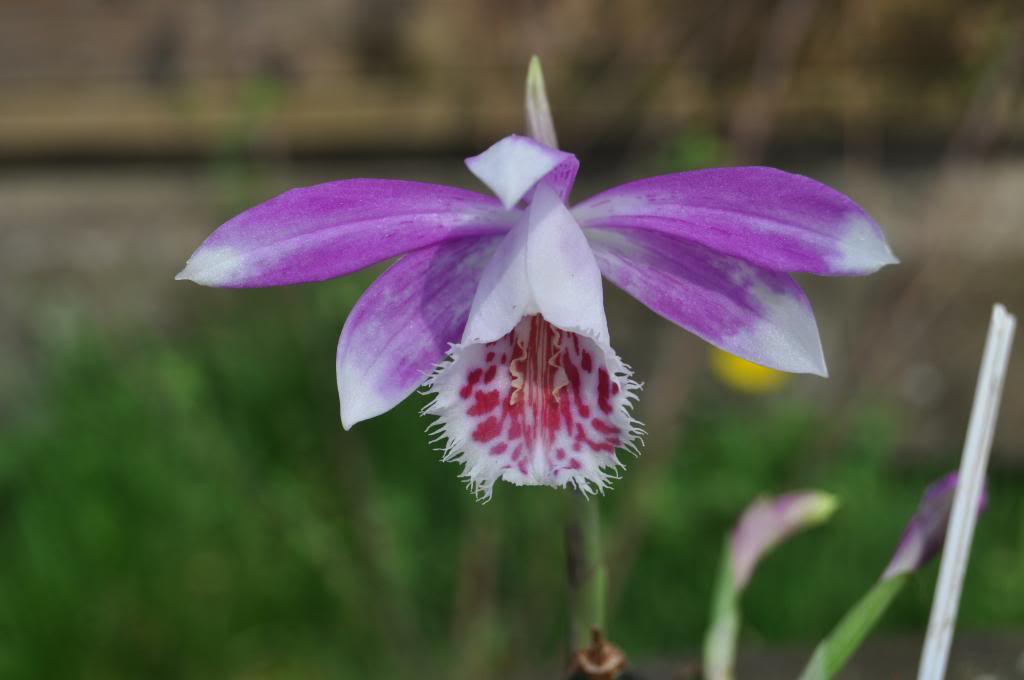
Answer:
(603, 427)
(487, 430)
(485, 403)
(472, 379)
(603, 391)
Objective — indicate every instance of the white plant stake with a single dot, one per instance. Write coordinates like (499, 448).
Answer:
(964, 515)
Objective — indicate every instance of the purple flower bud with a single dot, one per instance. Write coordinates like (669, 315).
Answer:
(926, 530)
(769, 521)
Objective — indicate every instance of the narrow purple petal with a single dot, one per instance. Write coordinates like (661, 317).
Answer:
(926, 531)
(512, 166)
(767, 522)
(757, 314)
(771, 218)
(404, 323)
(332, 229)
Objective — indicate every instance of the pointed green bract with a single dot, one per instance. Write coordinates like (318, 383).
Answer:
(539, 123)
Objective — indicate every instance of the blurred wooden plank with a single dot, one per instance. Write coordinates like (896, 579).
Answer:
(177, 77)
(326, 116)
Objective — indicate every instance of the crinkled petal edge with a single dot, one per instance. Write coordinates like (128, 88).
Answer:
(480, 473)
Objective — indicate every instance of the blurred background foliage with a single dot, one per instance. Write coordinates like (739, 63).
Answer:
(187, 507)
(177, 498)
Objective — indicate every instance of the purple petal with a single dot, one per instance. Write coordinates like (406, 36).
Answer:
(756, 314)
(512, 166)
(404, 323)
(332, 229)
(926, 531)
(767, 522)
(774, 219)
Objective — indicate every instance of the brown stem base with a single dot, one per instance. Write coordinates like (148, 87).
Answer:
(600, 661)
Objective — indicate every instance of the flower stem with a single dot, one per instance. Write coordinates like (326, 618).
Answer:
(588, 582)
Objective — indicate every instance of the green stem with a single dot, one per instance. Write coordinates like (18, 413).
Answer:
(724, 629)
(833, 652)
(588, 579)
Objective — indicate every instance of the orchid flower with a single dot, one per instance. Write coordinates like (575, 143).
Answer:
(495, 306)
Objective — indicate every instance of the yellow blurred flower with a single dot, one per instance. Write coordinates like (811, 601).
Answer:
(744, 376)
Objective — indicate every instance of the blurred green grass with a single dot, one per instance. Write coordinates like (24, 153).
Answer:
(185, 504)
